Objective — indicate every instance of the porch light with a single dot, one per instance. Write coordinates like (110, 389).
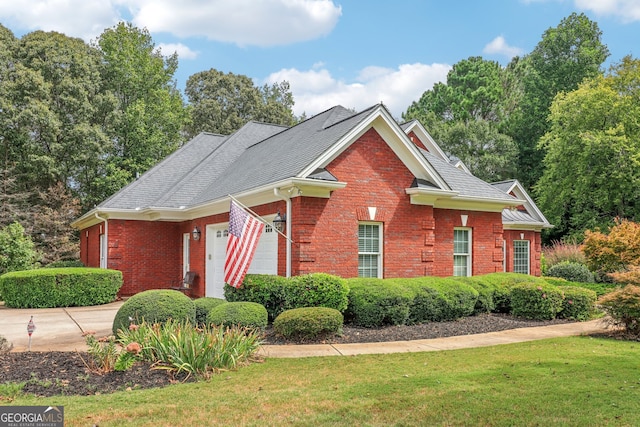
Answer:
(196, 233)
(279, 222)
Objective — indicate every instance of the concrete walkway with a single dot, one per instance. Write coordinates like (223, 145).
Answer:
(61, 329)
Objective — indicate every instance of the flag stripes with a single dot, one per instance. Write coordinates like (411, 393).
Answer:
(244, 233)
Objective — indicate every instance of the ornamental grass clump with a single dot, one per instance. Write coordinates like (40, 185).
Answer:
(180, 347)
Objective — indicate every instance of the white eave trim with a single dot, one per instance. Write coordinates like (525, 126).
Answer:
(418, 165)
(527, 226)
(452, 200)
(296, 187)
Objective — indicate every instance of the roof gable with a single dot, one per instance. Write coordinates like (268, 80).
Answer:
(531, 216)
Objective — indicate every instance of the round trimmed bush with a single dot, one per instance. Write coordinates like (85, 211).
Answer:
(155, 306)
(204, 306)
(579, 303)
(308, 322)
(571, 271)
(537, 301)
(242, 313)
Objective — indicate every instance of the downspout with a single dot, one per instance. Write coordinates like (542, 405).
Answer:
(106, 240)
(287, 199)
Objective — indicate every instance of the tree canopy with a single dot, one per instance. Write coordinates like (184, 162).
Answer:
(592, 162)
(222, 103)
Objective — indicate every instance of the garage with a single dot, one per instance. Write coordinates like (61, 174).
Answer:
(265, 260)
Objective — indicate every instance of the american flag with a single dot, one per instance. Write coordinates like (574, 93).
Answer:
(244, 233)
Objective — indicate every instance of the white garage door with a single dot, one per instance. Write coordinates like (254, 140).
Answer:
(265, 260)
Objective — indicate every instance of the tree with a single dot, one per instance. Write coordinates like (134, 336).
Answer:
(54, 131)
(54, 238)
(222, 103)
(464, 115)
(16, 249)
(566, 55)
(592, 162)
(487, 153)
(474, 91)
(145, 113)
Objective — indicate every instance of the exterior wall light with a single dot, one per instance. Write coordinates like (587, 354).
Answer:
(196, 233)
(279, 222)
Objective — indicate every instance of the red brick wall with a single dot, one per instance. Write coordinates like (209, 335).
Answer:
(417, 141)
(535, 249)
(418, 240)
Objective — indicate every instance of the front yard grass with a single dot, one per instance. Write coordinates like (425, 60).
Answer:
(577, 381)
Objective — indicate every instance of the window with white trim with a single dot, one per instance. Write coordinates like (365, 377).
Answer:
(369, 250)
(462, 252)
(521, 256)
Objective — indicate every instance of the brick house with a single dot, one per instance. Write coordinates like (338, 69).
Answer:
(361, 194)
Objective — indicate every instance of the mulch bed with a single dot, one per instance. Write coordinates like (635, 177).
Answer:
(68, 373)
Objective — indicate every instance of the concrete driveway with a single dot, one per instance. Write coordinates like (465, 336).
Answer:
(57, 329)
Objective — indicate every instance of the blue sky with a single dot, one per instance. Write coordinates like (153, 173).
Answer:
(350, 52)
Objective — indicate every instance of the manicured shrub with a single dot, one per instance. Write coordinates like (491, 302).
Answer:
(264, 289)
(204, 306)
(599, 288)
(60, 287)
(537, 301)
(308, 322)
(623, 306)
(572, 271)
(64, 264)
(278, 294)
(502, 284)
(485, 302)
(378, 302)
(440, 299)
(242, 313)
(155, 306)
(578, 303)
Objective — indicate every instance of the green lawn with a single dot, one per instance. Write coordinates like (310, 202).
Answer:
(578, 381)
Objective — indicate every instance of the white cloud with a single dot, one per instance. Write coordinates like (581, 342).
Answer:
(243, 22)
(316, 90)
(626, 10)
(184, 52)
(76, 18)
(499, 46)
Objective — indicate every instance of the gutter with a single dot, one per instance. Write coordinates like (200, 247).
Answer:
(106, 241)
(287, 199)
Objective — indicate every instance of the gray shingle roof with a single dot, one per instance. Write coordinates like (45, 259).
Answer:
(284, 155)
(465, 184)
(209, 167)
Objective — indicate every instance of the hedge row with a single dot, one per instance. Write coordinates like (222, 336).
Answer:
(278, 294)
(59, 287)
(379, 302)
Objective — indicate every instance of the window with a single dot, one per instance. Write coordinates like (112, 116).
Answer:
(521, 256)
(369, 250)
(462, 252)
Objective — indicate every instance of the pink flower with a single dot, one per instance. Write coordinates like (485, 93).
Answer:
(134, 348)
(133, 327)
(544, 295)
(539, 288)
(570, 302)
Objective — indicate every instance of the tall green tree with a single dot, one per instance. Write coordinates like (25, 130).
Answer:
(17, 251)
(222, 103)
(145, 111)
(56, 130)
(464, 116)
(566, 55)
(592, 162)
